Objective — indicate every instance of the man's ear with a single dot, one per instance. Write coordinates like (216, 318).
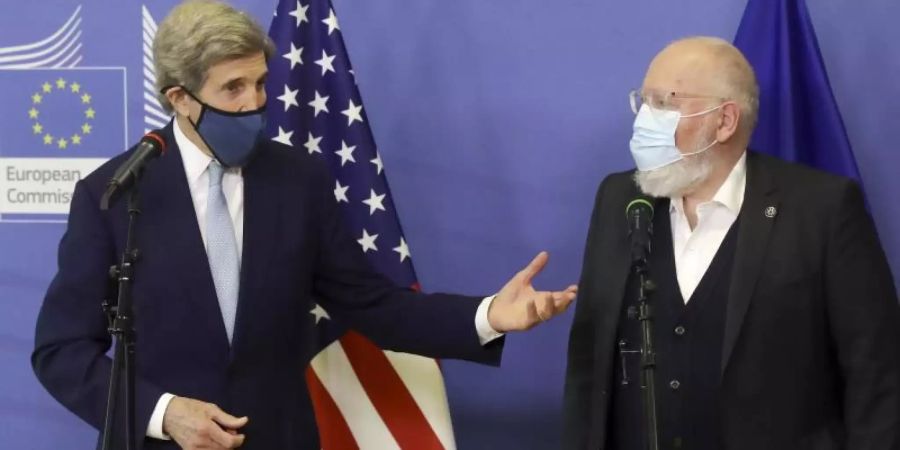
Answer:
(728, 121)
(179, 99)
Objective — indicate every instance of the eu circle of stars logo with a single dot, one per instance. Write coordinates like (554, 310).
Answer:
(58, 88)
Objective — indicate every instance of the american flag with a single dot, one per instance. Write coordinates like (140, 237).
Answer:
(363, 397)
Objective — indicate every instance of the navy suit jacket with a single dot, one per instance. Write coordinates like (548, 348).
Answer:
(295, 249)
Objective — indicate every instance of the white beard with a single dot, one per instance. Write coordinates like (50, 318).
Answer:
(677, 179)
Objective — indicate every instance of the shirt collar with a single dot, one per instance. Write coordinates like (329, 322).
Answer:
(195, 161)
(730, 193)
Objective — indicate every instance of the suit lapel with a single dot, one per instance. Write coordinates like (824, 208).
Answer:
(261, 215)
(614, 256)
(613, 280)
(621, 266)
(756, 220)
(178, 222)
(170, 213)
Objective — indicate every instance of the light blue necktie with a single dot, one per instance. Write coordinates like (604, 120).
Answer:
(221, 248)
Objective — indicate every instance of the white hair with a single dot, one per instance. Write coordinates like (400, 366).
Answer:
(676, 179)
(198, 34)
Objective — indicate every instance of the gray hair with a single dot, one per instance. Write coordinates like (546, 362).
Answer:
(198, 34)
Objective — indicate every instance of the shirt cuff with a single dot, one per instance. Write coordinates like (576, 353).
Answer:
(486, 333)
(155, 427)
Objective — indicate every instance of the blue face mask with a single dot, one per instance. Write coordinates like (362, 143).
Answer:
(653, 141)
(231, 136)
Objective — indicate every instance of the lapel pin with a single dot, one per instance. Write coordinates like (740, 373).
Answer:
(771, 212)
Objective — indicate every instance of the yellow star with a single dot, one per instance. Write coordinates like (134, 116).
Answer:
(62, 143)
(47, 88)
(86, 129)
(33, 113)
(89, 113)
(36, 99)
(75, 87)
(85, 99)
(60, 84)
(48, 139)
(76, 139)
(37, 128)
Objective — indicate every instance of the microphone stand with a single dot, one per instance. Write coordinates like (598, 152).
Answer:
(639, 213)
(121, 326)
(646, 287)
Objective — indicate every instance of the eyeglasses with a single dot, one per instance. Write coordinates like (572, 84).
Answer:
(663, 100)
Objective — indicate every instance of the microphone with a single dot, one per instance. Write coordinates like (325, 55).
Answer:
(639, 215)
(151, 146)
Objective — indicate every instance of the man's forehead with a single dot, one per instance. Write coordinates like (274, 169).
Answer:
(247, 67)
(678, 72)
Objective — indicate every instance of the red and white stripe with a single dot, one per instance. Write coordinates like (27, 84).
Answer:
(367, 398)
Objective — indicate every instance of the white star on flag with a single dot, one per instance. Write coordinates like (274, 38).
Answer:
(327, 62)
(294, 56)
(320, 313)
(403, 250)
(331, 115)
(368, 242)
(284, 137)
(332, 22)
(378, 164)
(375, 202)
(340, 192)
(300, 14)
(346, 153)
(289, 97)
(319, 104)
(353, 112)
(312, 144)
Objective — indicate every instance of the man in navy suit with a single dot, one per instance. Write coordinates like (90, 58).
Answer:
(237, 236)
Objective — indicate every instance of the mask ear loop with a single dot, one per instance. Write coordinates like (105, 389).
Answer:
(203, 106)
(697, 152)
(714, 142)
(196, 126)
(705, 111)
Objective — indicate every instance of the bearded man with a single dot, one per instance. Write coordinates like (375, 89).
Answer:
(775, 317)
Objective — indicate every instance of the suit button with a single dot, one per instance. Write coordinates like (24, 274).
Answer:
(679, 330)
(674, 384)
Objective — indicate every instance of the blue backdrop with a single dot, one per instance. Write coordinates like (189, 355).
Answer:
(495, 121)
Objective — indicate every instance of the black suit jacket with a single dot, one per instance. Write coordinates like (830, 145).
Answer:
(811, 349)
(295, 249)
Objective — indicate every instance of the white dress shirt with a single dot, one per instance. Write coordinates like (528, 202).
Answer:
(695, 249)
(195, 164)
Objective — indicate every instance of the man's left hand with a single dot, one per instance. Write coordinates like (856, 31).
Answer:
(519, 307)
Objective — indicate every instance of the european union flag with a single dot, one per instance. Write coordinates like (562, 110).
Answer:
(59, 124)
(62, 113)
(798, 117)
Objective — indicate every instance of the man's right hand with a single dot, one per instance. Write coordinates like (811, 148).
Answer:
(194, 425)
